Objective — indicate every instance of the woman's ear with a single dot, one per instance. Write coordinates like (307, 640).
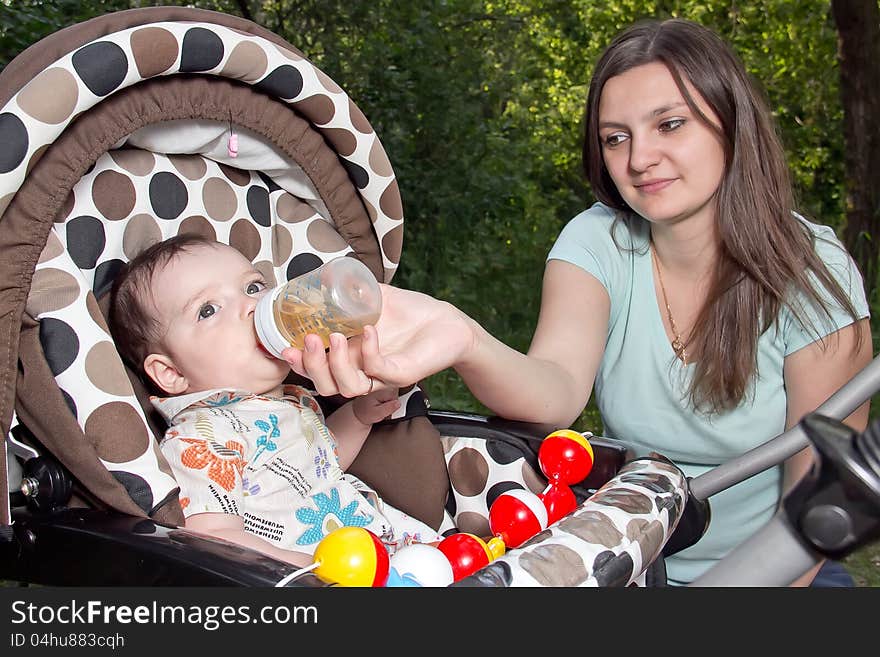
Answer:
(161, 369)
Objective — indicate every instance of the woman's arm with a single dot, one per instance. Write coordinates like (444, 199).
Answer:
(231, 528)
(812, 375)
(417, 336)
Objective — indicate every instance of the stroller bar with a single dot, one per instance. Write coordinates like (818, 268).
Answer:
(842, 403)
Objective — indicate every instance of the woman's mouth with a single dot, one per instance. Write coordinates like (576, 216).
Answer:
(653, 186)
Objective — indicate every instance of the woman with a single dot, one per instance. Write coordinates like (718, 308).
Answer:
(707, 315)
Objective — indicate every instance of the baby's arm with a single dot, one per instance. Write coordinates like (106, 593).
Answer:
(351, 422)
(231, 528)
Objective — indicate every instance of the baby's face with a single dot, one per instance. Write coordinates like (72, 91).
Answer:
(206, 299)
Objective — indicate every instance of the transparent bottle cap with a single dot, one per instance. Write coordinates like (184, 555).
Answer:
(264, 321)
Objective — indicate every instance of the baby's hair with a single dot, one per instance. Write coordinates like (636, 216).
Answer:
(133, 317)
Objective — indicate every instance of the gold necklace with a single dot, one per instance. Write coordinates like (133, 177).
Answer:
(677, 342)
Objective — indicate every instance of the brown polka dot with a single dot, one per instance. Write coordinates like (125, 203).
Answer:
(52, 249)
(154, 49)
(95, 311)
(390, 202)
(592, 527)
(236, 176)
(105, 370)
(288, 53)
(358, 120)
(267, 270)
(190, 166)
(554, 565)
(134, 160)
(379, 160)
(67, 208)
(197, 225)
(51, 289)
(371, 211)
(113, 194)
(247, 61)
(533, 481)
(343, 140)
(50, 97)
(628, 500)
(282, 244)
(103, 428)
(245, 237)
(141, 231)
(319, 108)
(327, 83)
(35, 157)
(292, 210)
(468, 472)
(389, 274)
(649, 534)
(324, 237)
(472, 523)
(392, 244)
(219, 198)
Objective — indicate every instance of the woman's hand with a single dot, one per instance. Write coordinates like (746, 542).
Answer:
(415, 337)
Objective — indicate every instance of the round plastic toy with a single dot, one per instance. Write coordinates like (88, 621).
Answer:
(559, 500)
(565, 457)
(352, 556)
(516, 516)
(467, 553)
(424, 563)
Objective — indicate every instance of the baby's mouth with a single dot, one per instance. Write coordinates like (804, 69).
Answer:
(264, 350)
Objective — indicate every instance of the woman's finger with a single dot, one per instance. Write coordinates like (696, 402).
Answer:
(350, 380)
(316, 366)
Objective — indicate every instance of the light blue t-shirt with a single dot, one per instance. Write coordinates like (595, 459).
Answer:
(641, 386)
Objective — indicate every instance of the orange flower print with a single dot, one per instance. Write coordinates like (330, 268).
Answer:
(224, 462)
(184, 502)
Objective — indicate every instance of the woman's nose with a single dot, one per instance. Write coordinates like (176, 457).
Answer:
(643, 153)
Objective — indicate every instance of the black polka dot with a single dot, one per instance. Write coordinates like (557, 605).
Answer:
(501, 487)
(258, 204)
(502, 452)
(304, 262)
(102, 66)
(70, 403)
(60, 344)
(202, 50)
(357, 173)
(104, 276)
(451, 506)
(611, 569)
(85, 240)
(283, 82)
(14, 137)
(168, 195)
(138, 489)
(271, 184)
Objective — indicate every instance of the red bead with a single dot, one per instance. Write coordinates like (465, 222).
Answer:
(516, 516)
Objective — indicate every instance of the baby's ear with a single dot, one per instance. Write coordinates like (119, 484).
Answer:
(161, 369)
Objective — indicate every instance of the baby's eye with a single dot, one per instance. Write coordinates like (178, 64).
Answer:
(255, 287)
(671, 124)
(208, 310)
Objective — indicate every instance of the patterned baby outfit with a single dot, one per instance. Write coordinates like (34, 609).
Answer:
(273, 462)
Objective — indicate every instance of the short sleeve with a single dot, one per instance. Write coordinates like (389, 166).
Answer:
(586, 242)
(845, 271)
(209, 472)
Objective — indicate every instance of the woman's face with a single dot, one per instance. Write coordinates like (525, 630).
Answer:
(664, 160)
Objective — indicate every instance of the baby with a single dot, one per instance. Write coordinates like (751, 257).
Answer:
(255, 460)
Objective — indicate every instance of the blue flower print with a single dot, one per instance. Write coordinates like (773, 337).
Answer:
(322, 464)
(249, 488)
(220, 399)
(328, 509)
(265, 442)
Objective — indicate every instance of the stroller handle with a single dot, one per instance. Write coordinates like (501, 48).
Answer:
(842, 403)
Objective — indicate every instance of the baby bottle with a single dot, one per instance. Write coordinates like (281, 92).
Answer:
(340, 296)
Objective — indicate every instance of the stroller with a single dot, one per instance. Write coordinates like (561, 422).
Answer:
(146, 123)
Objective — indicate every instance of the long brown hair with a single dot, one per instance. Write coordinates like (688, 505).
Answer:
(765, 254)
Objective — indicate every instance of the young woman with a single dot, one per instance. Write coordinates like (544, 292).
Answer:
(707, 315)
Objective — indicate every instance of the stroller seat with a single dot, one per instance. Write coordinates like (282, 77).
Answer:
(122, 131)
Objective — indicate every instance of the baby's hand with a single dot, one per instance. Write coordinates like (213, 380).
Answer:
(376, 406)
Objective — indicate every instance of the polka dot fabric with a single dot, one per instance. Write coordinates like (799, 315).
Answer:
(39, 112)
(610, 540)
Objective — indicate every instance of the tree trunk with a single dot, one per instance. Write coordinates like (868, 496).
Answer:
(858, 28)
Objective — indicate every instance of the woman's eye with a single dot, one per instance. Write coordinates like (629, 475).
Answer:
(208, 310)
(614, 139)
(671, 124)
(255, 288)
